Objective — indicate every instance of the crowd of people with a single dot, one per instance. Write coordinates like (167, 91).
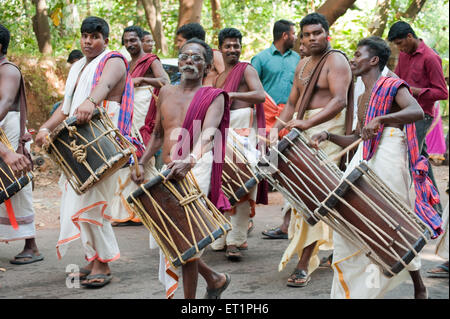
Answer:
(334, 100)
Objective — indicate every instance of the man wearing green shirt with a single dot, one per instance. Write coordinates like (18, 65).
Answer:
(276, 65)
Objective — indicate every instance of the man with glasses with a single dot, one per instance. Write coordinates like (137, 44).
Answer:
(182, 106)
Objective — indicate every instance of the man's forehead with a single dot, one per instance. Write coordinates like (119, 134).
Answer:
(231, 40)
(130, 34)
(312, 27)
(192, 48)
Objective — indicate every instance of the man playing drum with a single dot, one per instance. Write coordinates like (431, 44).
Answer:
(177, 112)
(21, 203)
(320, 96)
(99, 79)
(385, 148)
(148, 76)
(245, 90)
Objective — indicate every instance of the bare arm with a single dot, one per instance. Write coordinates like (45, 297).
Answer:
(9, 87)
(204, 144)
(339, 78)
(410, 112)
(255, 93)
(219, 65)
(113, 72)
(160, 76)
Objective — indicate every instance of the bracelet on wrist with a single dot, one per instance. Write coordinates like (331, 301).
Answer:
(91, 99)
(328, 135)
(44, 129)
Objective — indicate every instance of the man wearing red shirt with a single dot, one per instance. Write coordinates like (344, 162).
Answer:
(421, 68)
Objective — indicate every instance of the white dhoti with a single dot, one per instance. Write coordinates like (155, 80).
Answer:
(300, 233)
(87, 216)
(168, 275)
(355, 275)
(142, 99)
(22, 201)
(239, 216)
(442, 245)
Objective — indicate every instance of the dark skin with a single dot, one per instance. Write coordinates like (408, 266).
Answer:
(9, 88)
(110, 87)
(330, 94)
(405, 109)
(172, 106)
(155, 75)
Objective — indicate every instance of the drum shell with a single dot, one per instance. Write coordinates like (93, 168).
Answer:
(177, 215)
(366, 207)
(10, 183)
(317, 173)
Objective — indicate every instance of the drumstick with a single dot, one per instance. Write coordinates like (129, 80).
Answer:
(345, 150)
(282, 122)
(153, 94)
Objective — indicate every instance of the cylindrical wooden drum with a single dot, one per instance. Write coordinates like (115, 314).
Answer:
(366, 212)
(90, 152)
(302, 174)
(238, 175)
(179, 216)
(9, 183)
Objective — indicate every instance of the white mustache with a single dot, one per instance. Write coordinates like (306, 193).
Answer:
(189, 67)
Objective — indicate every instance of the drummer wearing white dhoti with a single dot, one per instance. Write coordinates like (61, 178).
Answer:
(148, 77)
(386, 108)
(98, 79)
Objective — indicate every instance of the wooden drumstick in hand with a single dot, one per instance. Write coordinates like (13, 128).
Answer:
(341, 153)
(282, 122)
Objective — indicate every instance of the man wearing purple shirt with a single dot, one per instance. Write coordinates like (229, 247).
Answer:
(421, 68)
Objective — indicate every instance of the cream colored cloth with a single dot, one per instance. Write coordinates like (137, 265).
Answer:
(240, 119)
(355, 276)
(300, 233)
(87, 216)
(142, 99)
(442, 245)
(22, 201)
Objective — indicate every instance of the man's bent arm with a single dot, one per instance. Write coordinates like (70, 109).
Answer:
(160, 78)
(255, 94)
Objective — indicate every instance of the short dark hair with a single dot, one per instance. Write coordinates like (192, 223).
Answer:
(400, 30)
(144, 33)
(74, 55)
(134, 28)
(377, 47)
(229, 33)
(95, 24)
(209, 55)
(192, 30)
(280, 27)
(315, 18)
(4, 38)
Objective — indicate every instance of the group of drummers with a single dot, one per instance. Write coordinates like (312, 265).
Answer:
(345, 173)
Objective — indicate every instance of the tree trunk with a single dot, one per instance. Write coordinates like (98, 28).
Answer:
(153, 13)
(41, 27)
(189, 11)
(413, 9)
(380, 20)
(217, 25)
(333, 9)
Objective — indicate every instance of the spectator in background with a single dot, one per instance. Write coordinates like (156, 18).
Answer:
(147, 42)
(421, 68)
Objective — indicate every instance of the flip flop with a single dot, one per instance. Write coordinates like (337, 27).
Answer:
(127, 223)
(299, 274)
(440, 271)
(33, 258)
(106, 280)
(233, 253)
(216, 293)
(275, 233)
(84, 273)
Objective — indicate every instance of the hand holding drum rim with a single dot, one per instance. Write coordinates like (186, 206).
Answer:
(179, 169)
(84, 111)
(19, 163)
(318, 138)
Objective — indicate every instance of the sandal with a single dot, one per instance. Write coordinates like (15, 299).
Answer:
(326, 261)
(95, 284)
(233, 253)
(83, 273)
(216, 293)
(298, 274)
(275, 233)
(440, 271)
(251, 226)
